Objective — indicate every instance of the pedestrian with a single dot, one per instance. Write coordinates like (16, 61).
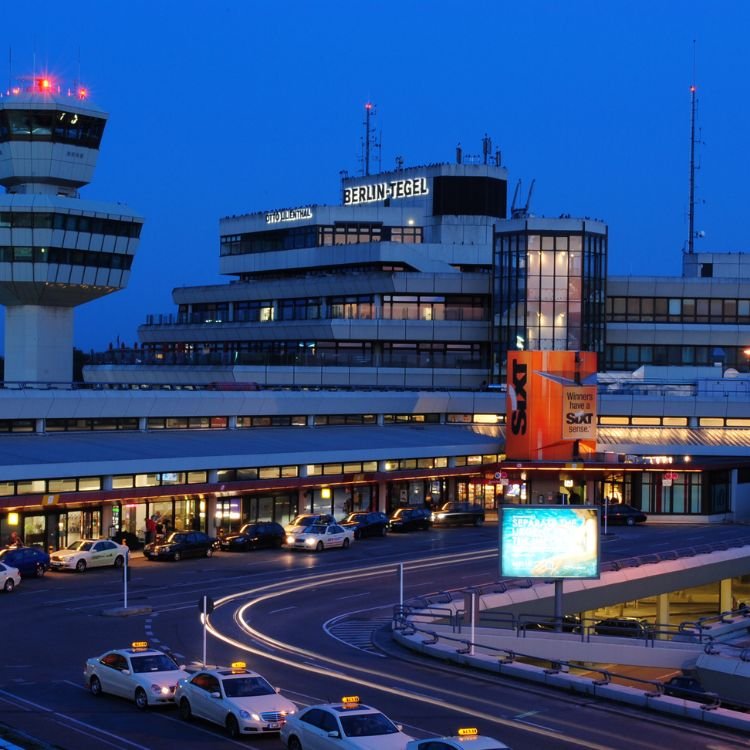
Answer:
(150, 530)
(15, 540)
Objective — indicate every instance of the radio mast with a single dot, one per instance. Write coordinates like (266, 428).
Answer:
(370, 143)
(691, 203)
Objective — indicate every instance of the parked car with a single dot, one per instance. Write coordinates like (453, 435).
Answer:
(89, 553)
(624, 627)
(320, 536)
(139, 673)
(466, 738)
(348, 725)
(241, 701)
(30, 561)
(410, 519)
(9, 578)
(624, 513)
(254, 536)
(456, 514)
(569, 624)
(181, 544)
(684, 686)
(307, 520)
(364, 524)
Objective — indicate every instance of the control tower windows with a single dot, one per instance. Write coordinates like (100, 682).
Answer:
(58, 127)
(64, 257)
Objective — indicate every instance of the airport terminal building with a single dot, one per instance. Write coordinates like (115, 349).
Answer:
(356, 359)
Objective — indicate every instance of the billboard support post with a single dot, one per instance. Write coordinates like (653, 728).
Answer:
(558, 604)
(473, 620)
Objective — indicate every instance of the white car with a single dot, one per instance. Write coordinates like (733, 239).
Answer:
(320, 536)
(348, 725)
(235, 698)
(9, 577)
(89, 553)
(144, 675)
(466, 739)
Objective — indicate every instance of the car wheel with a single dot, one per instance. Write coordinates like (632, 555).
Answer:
(209, 552)
(40, 570)
(95, 686)
(233, 727)
(141, 699)
(119, 562)
(177, 557)
(319, 547)
(186, 713)
(81, 566)
(345, 544)
(9, 585)
(294, 743)
(630, 522)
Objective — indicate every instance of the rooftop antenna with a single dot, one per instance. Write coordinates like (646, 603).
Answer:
(691, 203)
(370, 142)
(486, 147)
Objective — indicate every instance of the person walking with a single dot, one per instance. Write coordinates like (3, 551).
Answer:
(150, 530)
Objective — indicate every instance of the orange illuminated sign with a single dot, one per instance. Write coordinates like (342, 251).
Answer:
(551, 405)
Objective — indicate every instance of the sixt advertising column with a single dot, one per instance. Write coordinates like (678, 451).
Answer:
(551, 405)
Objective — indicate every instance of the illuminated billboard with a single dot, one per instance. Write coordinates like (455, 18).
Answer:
(549, 541)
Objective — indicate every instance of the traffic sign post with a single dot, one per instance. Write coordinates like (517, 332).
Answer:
(205, 607)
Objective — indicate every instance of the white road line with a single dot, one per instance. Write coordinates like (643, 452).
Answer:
(283, 609)
(353, 596)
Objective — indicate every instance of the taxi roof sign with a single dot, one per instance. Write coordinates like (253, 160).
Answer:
(139, 645)
(238, 666)
(468, 732)
(350, 701)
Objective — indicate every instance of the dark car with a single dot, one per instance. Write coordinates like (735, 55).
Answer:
(456, 514)
(624, 513)
(254, 536)
(30, 561)
(410, 519)
(373, 523)
(625, 627)
(569, 624)
(181, 544)
(683, 686)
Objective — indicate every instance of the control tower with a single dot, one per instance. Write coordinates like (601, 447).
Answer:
(56, 250)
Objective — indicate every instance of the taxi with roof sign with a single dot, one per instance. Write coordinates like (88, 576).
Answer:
(347, 725)
(236, 698)
(142, 674)
(467, 738)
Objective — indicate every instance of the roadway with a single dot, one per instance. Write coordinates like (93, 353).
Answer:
(307, 622)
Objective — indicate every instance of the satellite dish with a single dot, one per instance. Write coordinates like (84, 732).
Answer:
(731, 373)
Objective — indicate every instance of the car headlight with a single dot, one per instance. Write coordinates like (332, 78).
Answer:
(290, 539)
(247, 715)
(160, 689)
(309, 542)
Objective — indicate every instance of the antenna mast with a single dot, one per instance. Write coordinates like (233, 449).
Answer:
(691, 204)
(370, 142)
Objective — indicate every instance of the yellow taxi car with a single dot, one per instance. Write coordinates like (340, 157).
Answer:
(142, 674)
(468, 738)
(348, 725)
(237, 699)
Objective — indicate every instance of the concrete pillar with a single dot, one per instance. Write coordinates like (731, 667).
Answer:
(38, 344)
(725, 595)
(382, 496)
(662, 611)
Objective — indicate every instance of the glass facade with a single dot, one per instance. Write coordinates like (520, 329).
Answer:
(549, 290)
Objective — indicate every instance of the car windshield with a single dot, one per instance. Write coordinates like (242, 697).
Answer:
(316, 529)
(356, 517)
(80, 545)
(175, 537)
(367, 725)
(303, 520)
(153, 663)
(248, 528)
(244, 687)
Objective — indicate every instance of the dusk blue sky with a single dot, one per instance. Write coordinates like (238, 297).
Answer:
(228, 107)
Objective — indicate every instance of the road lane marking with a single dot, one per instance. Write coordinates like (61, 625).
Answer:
(283, 609)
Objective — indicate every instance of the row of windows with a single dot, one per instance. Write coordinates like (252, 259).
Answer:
(65, 257)
(722, 422)
(298, 238)
(69, 223)
(632, 356)
(350, 307)
(55, 126)
(252, 473)
(677, 310)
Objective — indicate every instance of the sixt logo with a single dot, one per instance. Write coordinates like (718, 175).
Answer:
(517, 392)
(573, 417)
